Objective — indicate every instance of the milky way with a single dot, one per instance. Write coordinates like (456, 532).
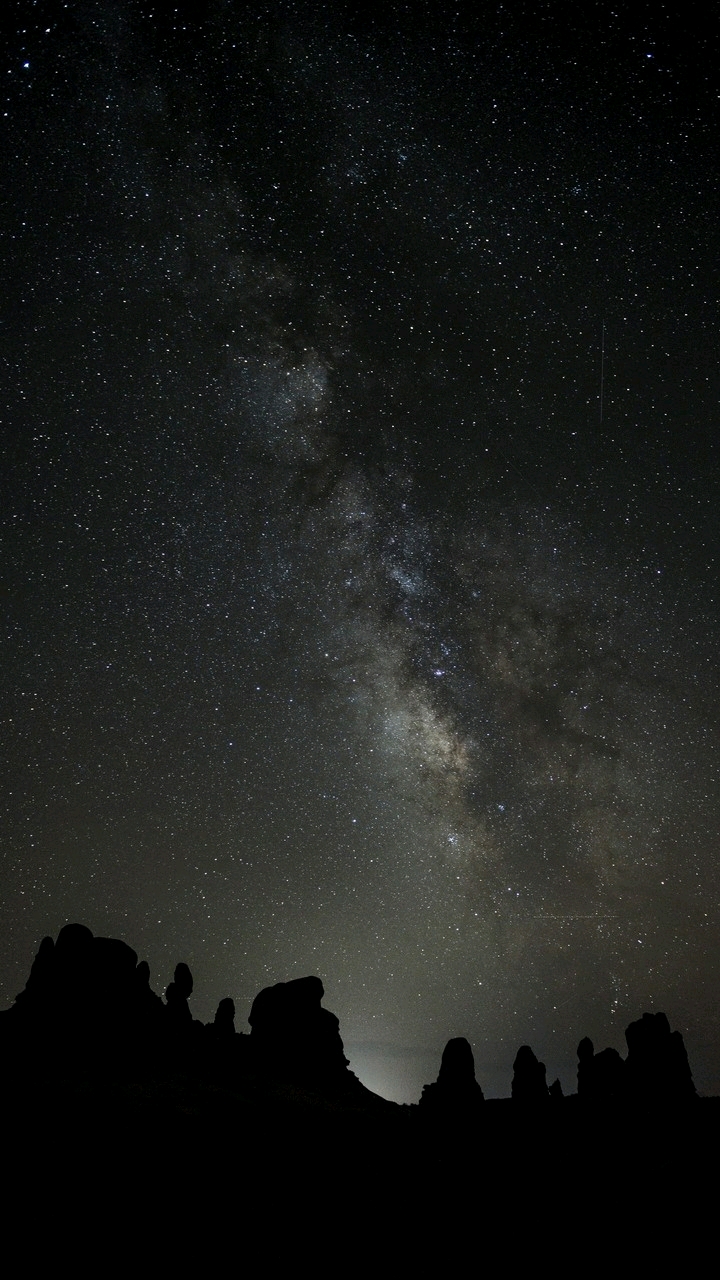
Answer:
(345, 633)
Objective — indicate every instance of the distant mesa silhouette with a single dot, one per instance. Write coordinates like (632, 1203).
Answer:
(529, 1085)
(456, 1089)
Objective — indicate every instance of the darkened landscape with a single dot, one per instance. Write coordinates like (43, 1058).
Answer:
(111, 1084)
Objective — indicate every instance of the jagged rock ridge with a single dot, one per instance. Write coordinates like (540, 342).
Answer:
(88, 1008)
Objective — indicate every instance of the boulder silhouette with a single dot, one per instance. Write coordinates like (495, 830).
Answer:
(456, 1088)
(528, 1084)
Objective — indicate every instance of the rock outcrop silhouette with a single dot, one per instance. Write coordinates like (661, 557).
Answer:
(293, 1038)
(529, 1085)
(456, 1090)
(88, 1013)
(88, 1007)
(177, 996)
(224, 1020)
(601, 1076)
(124, 1115)
(657, 1068)
(86, 1001)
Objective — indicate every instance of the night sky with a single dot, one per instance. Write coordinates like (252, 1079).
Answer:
(359, 513)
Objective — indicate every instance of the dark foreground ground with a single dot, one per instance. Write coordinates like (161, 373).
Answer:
(137, 1140)
(176, 1177)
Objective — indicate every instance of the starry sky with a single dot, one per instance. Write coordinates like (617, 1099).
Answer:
(359, 512)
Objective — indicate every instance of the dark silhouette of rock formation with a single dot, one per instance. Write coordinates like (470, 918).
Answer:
(456, 1090)
(177, 995)
(657, 1068)
(88, 1013)
(86, 1001)
(88, 1005)
(528, 1084)
(585, 1053)
(224, 1021)
(601, 1076)
(294, 1038)
(109, 1090)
